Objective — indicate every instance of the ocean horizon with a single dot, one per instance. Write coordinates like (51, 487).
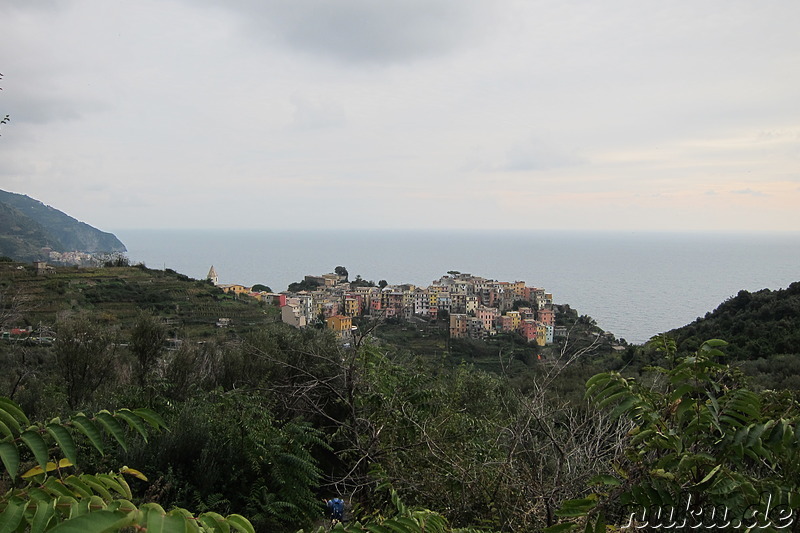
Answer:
(634, 284)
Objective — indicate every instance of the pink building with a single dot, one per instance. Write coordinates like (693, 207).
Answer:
(528, 329)
(547, 316)
(487, 315)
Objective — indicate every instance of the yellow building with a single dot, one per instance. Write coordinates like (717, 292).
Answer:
(235, 289)
(515, 319)
(518, 288)
(352, 307)
(340, 324)
(433, 297)
(541, 334)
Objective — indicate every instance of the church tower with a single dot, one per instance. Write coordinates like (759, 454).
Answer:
(212, 276)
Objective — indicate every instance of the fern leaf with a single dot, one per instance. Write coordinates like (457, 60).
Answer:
(77, 484)
(158, 522)
(10, 457)
(114, 484)
(241, 524)
(45, 510)
(64, 441)
(11, 427)
(88, 428)
(12, 515)
(151, 417)
(214, 521)
(97, 486)
(57, 488)
(113, 427)
(133, 421)
(375, 528)
(36, 443)
(5, 431)
(14, 410)
(96, 522)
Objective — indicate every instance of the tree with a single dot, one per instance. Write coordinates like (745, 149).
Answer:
(147, 341)
(304, 285)
(85, 353)
(258, 287)
(341, 271)
(361, 282)
(383, 283)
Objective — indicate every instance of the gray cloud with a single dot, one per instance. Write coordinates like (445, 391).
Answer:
(309, 115)
(586, 101)
(536, 155)
(37, 108)
(749, 192)
(363, 31)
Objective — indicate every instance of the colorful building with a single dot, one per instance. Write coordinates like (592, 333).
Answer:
(341, 325)
(458, 326)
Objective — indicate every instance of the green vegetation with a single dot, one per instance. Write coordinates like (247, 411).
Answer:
(53, 495)
(360, 282)
(415, 431)
(304, 285)
(699, 441)
(117, 296)
(758, 325)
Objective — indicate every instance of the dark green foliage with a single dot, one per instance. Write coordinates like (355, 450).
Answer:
(360, 282)
(521, 303)
(53, 496)
(147, 342)
(403, 519)
(776, 373)
(304, 285)
(258, 287)
(757, 325)
(226, 452)
(85, 355)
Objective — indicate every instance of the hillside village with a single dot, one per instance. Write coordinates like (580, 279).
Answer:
(476, 307)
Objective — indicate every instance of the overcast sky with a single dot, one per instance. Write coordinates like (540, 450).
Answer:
(619, 115)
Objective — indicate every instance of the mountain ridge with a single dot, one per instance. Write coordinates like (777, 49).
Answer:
(27, 226)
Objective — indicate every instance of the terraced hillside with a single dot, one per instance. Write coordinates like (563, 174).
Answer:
(116, 295)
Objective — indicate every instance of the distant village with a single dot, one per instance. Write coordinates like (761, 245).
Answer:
(476, 307)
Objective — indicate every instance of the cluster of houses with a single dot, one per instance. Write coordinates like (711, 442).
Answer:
(477, 307)
(72, 258)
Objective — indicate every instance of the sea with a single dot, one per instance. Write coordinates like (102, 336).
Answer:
(635, 284)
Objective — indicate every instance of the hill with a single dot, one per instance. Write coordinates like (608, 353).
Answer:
(21, 237)
(27, 225)
(115, 296)
(758, 325)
